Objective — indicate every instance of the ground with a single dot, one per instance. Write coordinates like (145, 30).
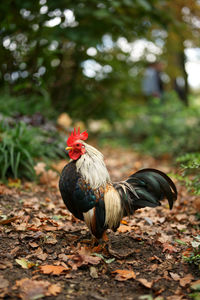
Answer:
(45, 251)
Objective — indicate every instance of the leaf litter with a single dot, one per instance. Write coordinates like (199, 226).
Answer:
(44, 253)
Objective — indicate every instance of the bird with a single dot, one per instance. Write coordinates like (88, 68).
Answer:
(90, 195)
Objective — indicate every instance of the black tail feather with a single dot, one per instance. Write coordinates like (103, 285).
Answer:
(146, 187)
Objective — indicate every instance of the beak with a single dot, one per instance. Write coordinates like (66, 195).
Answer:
(68, 148)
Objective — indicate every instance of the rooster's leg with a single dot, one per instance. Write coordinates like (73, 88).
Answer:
(102, 243)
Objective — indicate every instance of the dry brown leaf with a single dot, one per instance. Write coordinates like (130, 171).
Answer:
(8, 221)
(123, 275)
(39, 168)
(124, 228)
(51, 238)
(186, 280)
(33, 289)
(144, 282)
(4, 283)
(164, 238)
(93, 272)
(174, 276)
(48, 176)
(169, 248)
(78, 260)
(175, 297)
(4, 264)
(33, 244)
(181, 217)
(197, 204)
(48, 228)
(53, 290)
(124, 222)
(39, 254)
(51, 269)
(195, 285)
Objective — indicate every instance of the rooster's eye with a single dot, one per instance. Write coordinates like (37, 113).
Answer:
(77, 145)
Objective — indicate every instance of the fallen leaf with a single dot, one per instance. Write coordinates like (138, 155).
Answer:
(146, 297)
(124, 228)
(107, 261)
(144, 282)
(39, 168)
(25, 264)
(51, 269)
(33, 289)
(51, 238)
(123, 222)
(187, 252)
(53, 290)
(40, 254)
(181, 217)
(4, 264)
(195, 285)
(4, 283)
(169, 248)
(8, 221)
(123, 275)
(175, 297)
(48, 176)
(33, 244)
(174, 276)
(16, 183)
(186, 280)
(164, 238)
(93, 272)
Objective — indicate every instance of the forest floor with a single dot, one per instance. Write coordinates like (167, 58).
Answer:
(44, 251)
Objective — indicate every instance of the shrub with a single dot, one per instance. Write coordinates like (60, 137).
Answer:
(21, 145)
(194, 256)
(11, 105)
(167, 127)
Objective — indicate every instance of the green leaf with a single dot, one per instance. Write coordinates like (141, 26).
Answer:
(110, 260)
(195, 286)
(180, 242)
(107, 261)
(25, 264)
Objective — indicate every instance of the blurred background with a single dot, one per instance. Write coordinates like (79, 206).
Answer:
(127, 70)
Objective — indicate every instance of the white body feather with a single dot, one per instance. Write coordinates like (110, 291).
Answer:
(92, 167)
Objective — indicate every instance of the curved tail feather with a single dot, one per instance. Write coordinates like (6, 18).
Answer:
(146, 187)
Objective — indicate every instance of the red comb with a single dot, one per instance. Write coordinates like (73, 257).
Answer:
(76, 136)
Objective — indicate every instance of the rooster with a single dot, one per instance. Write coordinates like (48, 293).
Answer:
(91, 196)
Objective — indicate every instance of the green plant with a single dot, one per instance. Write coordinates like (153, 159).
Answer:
(21, 145)
(194, 257)
(11, 105)
(160, 127)
(167, 126)
(190, 164)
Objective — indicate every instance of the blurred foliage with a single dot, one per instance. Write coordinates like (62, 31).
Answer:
(21, 145)
(11, 105)
(163, 128)
(50, 45)
(160, 127)
(166, 126)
